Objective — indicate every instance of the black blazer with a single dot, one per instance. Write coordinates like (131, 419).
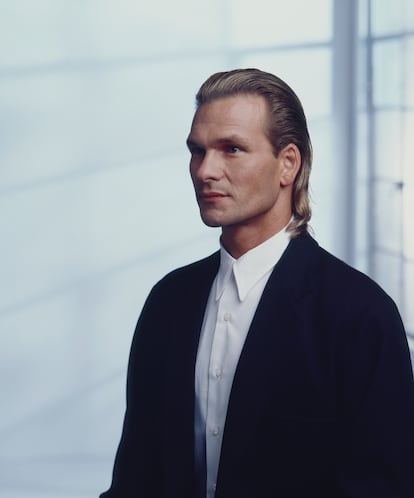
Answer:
(322, 403)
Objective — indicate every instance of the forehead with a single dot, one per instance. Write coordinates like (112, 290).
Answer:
(245, 114)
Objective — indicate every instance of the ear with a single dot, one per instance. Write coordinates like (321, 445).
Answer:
(290, 161)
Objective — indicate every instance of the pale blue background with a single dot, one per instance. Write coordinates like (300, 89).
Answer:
(96, 204)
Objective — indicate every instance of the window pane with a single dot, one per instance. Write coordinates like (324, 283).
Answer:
(388, 273)
(388, 216)
(409, 15)
(409, 71)
(409, 296)
(386, 16)
(388, 82)
(388, 145)
(270, 22)
(392, 17)
(408, 152)
(408, 222)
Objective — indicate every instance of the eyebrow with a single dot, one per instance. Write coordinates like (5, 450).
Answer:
(230, 139)
(233, 139)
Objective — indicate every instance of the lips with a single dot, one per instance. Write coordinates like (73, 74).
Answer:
(211, 196)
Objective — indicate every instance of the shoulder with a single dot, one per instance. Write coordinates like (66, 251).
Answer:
(189, 278)
(348, 309)
(178, 293)
(338, 282)
(198, 269)
(351, 283)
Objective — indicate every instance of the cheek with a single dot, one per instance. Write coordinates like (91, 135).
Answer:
(264, 191)
(263, 183)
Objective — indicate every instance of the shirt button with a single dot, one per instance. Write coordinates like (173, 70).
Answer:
(227, 317)
(218, 372)
(215, 431)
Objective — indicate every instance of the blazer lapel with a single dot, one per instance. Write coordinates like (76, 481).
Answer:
(279, 317)
(282, 308)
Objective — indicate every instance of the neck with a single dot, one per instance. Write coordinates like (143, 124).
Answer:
(237, 240)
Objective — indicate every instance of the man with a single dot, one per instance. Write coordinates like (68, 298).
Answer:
(271, 368)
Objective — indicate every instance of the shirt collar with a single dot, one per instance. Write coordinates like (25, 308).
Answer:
(252, 266)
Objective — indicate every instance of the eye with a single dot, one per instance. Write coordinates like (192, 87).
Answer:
(233, 149)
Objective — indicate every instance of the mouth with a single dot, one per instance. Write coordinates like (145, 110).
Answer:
(210, 197)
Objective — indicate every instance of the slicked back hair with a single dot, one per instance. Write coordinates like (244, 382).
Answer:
(286, 125)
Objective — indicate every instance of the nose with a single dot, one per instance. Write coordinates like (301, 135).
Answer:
(205, 167)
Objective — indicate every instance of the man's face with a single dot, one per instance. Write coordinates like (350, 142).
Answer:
(237, 179)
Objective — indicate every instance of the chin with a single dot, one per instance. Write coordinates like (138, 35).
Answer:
(210, 221)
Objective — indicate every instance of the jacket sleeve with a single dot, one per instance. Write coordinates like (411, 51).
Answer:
(376, 450)
(136, 461)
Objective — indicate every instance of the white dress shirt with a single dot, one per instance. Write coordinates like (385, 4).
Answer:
(232, 302)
